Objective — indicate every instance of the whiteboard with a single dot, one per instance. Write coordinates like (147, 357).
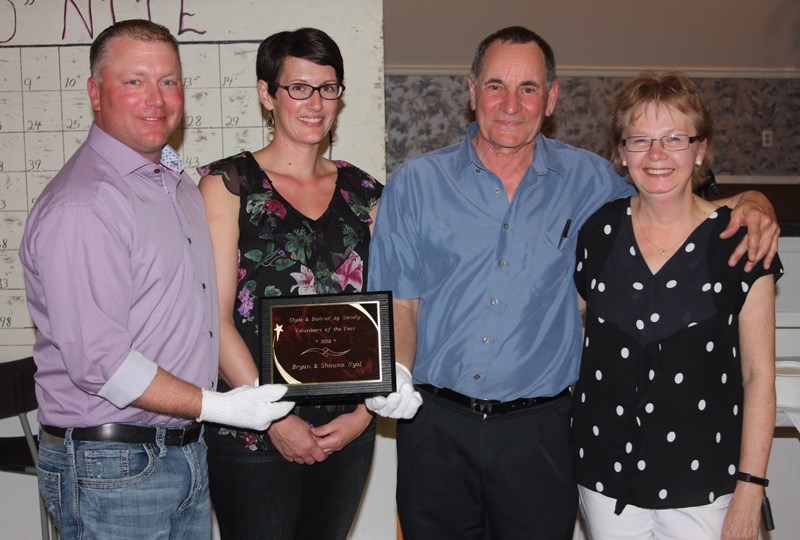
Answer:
(45, 112)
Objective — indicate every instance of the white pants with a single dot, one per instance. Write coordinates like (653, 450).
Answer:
(695, 522)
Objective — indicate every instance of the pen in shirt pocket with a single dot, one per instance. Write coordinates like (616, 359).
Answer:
(564, 232)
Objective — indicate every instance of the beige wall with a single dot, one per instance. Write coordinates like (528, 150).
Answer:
(732, 35)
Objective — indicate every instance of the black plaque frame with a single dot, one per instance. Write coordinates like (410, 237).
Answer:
(280, 314)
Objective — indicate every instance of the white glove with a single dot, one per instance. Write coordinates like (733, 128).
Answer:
(400, 404)
(245, 407)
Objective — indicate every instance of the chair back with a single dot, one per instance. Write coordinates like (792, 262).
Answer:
(17, 387)
(17, 398)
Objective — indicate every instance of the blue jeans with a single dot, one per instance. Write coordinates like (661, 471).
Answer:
(114, 490)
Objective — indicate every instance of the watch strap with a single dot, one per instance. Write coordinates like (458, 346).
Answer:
(747, 477)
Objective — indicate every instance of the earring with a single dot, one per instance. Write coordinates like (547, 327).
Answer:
(270, 121)
(333, 127)
(624, 163)
(698, 162)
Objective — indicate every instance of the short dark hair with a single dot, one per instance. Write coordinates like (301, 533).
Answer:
(138, 29)
(309, 44)
(518, 35)
(672, 89)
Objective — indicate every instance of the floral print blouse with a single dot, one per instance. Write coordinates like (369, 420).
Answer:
(283, 252)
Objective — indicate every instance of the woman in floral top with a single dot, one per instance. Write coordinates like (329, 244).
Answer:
(286, 221)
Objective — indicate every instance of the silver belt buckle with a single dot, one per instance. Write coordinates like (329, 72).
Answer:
(183, 436)
(480, 406)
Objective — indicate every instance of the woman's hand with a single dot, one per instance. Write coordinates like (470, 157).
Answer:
(744, 513)
(342, 430)
(293, 438)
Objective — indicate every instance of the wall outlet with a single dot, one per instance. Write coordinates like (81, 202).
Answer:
(766, 138)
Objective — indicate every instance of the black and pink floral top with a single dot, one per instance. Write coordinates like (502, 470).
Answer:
(282, 252)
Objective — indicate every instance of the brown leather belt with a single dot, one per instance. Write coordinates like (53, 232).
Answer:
(128, 433)
(490, 406)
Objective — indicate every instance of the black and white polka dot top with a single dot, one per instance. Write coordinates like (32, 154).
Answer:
(657, 410)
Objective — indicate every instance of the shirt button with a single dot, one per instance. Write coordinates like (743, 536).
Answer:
(497, 190)
(204, 286)
(495, 301)
(211, 334)
(501, 263)
(485, 339)
(505, 225)
(156, 171)
(476, 377)
(189, 239)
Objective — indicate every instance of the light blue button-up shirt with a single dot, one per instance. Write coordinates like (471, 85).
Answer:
(498, 315)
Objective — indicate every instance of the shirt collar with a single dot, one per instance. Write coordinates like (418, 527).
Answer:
(468, 158)
(126, 160)
(171, 160)
(544, 159)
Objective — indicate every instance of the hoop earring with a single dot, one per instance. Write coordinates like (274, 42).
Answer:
(270, 121)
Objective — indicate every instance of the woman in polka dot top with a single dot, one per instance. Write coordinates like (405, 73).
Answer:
(676, 391)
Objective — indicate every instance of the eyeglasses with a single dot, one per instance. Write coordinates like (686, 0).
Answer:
(670, 143)
(301, 91)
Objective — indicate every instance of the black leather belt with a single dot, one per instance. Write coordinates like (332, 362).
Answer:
(127, 433)
(490, 406)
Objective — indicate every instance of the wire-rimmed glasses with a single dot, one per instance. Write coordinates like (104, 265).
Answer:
(671, 143)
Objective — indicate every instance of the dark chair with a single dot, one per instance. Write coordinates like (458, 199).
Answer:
(20, 454)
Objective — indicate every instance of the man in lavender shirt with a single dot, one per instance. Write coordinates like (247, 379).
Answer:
(120, 284)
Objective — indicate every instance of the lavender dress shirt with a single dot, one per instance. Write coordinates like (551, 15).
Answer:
(120, 280)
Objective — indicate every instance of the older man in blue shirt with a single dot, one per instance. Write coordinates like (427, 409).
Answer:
(476, 241)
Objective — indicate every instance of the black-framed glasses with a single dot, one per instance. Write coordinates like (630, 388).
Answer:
(670, 143)
(301, 91)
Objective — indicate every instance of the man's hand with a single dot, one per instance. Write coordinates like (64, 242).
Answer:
(245, 407)
(400, 404)
(763, 231)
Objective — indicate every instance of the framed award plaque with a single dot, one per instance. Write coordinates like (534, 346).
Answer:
(328, 348)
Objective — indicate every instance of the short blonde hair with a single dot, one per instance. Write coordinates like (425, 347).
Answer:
(138, 29)
(673, 89)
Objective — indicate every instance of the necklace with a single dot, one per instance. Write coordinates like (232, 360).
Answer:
(663, 251)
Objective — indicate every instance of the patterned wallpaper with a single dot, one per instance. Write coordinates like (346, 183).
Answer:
(425, 112)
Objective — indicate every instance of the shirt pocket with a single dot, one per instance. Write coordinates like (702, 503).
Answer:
(549, 264)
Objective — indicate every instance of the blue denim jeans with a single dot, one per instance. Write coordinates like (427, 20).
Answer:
(102, 490)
